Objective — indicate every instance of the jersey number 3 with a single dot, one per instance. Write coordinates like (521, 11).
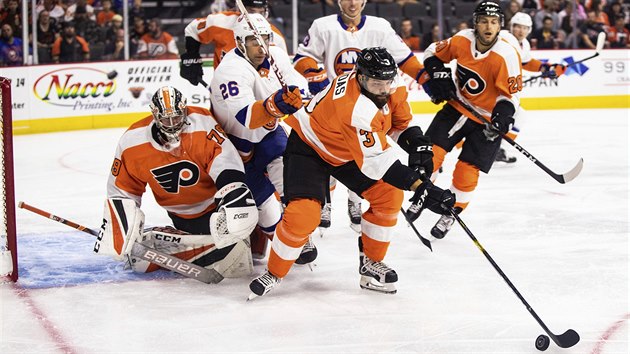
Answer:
(368, 138)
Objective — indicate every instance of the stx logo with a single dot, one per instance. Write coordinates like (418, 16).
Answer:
(470, 80)
(181, 173)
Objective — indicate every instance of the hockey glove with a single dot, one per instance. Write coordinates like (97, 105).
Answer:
(190, 68)
(236, 214)
(281, 102)
(420, 150)
(502, 120)
(440, 86)
(317, 79)
(552, 71)
(429, 196)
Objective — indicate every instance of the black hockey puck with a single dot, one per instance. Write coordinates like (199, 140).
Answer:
(542, 342)
(112, 74)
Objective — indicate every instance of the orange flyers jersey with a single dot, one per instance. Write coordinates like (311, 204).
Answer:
(163, 47)
(182, 181)
(342, 125)
(482, 79)
(217, 29)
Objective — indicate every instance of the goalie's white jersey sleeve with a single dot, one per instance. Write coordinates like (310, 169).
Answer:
(330, 41)
(237, 86)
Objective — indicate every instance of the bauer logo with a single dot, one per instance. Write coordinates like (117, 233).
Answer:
(69, 86)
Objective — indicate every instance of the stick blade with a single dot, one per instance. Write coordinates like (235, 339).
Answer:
(574, 172)
(567, 339)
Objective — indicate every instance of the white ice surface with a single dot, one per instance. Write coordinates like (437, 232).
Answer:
(565, 247)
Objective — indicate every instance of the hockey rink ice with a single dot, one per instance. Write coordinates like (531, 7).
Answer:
(565, 248)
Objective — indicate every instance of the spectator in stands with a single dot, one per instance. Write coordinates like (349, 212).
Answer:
(430, 37)
(513, 7)
(10, 47)
(106, 14)
(70, 47)
(139, 29)
(530, 7)
(545, 37)
(136, 11)
(115, 24)
(47, 33)
(547, 11)
(73, 8)
(600, 14)
(590, 30)
(114, 49)
(55, 11)
(12, 15)
(618, 35)
(157, 44)
(461, 25)
(615, 10)
(87, 28)
(411, 39)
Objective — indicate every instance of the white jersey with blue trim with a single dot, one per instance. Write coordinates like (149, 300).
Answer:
(236, 86)
(331, 42)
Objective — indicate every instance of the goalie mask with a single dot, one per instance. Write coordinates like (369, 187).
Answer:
(376, 74)
(245, 37)
(169, 112)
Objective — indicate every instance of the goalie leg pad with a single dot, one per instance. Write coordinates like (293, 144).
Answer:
(122, 226)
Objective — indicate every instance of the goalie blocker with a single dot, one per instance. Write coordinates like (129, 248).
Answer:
(226, 248)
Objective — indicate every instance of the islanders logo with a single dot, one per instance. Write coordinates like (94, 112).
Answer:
(345, 60)
(64, 87)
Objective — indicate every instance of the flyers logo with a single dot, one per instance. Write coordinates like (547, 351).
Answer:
(470, 81)
(181, 173)
(345, 60)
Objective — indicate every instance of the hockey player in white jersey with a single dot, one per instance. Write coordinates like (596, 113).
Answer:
(520, 27)
(335, 41)
(248, 100)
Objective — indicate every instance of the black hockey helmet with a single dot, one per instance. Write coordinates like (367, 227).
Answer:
(377, 63)
(488, 8)
(255, 3)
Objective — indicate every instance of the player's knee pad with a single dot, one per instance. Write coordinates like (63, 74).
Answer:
(438, 158)
(302, 216)
(122, 226)
(465, 176)
(269, 214)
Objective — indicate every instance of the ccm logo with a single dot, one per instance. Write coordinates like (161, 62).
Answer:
(170, 263)
(241, 216)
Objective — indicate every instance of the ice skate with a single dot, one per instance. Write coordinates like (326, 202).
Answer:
(442, 226)
(376, 276)
(262, 285)
(502, 156)
(354, 212)
(308, 254)
(324, 222)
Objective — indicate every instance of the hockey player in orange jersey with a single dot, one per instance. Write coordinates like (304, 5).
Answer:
(217, 29)
(335, 40)
(489, 79)
(343, 132)
(195, 174)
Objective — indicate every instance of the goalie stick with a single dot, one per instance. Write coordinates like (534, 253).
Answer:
(561, 178)
(262, 44)
(601, 40)
(564, 340)
(187, 269)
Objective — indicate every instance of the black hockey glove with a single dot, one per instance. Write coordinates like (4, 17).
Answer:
(552, 71)
(429, 196)
(440, 86)
(502, 120)
(420, 150)
(191, 68)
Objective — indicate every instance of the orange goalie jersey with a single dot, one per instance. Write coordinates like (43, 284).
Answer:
(341, 125)
(483, 79)
(183, 180)
(217, 29)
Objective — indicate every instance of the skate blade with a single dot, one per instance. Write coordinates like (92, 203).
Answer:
(355, 227)
(251, 297)
(369, 283)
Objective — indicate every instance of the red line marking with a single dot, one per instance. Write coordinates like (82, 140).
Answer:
(45, 322)
(609, 332)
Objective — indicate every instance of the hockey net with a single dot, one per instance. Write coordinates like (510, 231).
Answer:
(8, 244)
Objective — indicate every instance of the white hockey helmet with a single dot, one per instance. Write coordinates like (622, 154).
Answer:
(168, 107)
(242, 29)
(523, 19)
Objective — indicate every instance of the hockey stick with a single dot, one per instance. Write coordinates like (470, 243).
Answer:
(564, 340)
(601, 40)
(262, 44)
(187, 269)
(424, 240)
(563, 178)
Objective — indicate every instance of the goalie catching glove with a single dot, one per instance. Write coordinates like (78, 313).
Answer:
(429, 196)
(236, 214)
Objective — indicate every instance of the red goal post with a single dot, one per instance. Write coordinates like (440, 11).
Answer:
(8, 241)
